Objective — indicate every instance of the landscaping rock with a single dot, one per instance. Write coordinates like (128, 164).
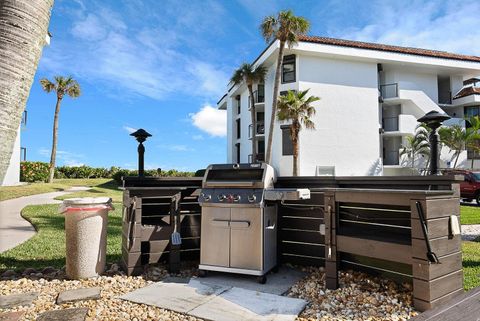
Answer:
(29, 271)
(9, 274)
(11, 316)
(9, 301)
(49, 270)
(76, 314)
(79, 295)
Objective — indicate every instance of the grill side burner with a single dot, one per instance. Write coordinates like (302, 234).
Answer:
(239, 229)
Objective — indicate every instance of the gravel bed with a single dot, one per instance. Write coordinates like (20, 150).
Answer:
(107, 308)
(360, 297)
(470, 232)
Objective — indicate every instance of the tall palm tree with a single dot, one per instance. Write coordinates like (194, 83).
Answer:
(249, 75)
(23, 31)
(297, 108)
(286, 28)
(455, 137)
(62, 86)
(416, 145)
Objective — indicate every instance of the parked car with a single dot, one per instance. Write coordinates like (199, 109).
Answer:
(470, 187)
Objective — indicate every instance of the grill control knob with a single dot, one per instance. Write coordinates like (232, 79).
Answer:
(221, 197)
(252, 198)
(236, 198)
(206, 197)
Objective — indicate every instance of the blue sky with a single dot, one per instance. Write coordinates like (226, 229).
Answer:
(162, 66)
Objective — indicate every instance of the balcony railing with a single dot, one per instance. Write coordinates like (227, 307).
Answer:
(258, 96)
(389, 91)
(391, 157)
(260, 157)
(445, 97)
(390, 124)
(24, 118)
(260, 129)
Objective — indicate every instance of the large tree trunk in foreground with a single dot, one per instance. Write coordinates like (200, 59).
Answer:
(268, 156)
(54, 141)
(23, 28)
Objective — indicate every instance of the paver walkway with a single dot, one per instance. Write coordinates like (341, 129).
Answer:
(14, 229)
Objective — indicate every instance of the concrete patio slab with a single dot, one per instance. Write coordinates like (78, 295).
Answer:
(239, 304)
(180, 297)
(277, 283)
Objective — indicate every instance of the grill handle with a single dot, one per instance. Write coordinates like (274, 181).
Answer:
(240, 224)
(220, 223)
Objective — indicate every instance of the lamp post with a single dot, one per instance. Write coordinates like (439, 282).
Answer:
(141, 135)
(433, 120)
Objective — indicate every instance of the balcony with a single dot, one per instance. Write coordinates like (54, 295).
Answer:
(258, 96)
(388, 91)
(260, 157)
(445, 98)
(391, 158)
(260, 130)
(23, 154)
(399, 125)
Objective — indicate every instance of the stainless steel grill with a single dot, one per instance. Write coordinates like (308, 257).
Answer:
(239, 228)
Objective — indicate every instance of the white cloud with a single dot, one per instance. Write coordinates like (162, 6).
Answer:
(211, 120)
(129, 58)
(441, 25)
(177, 148)
(63, 158)
(129, 129)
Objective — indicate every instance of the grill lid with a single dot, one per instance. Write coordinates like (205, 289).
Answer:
(239, 176)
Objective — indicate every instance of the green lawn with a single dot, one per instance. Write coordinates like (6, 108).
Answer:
(471, 264)
(9, 192)
(470, 214)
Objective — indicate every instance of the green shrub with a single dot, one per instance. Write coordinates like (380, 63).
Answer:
(33, 172)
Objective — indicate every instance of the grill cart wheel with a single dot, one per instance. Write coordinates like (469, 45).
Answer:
(262, 279)
(202, 273)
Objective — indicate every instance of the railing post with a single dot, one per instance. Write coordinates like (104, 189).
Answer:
(331, 256)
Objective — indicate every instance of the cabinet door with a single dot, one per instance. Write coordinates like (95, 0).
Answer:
(215, 242)
(246, 248)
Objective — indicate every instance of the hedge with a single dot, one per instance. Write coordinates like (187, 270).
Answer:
(38, 172)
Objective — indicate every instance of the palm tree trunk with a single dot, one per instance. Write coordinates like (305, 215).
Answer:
(268, 156)
(54, 142)
(294, 130)
(456, 160)
(23, 28)
(254, 124)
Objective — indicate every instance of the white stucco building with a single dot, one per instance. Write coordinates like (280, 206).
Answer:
(12, 176)
(371, 96)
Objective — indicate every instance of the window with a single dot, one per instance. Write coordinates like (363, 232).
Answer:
(471, 111)
(285, 92)
(237, 151)
(239, 133)
(287, 146)
(288, 69)
(239, 104)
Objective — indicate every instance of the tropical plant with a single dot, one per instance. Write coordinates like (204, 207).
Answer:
(23, 30)
(454, 137)
(296, 108)
(416, 145)
(249, 75)
(473, 143)
(62, 86)
(286, 28)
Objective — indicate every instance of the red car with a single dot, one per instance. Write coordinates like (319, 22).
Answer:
(470, 187)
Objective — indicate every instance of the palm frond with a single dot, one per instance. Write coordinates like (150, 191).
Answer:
(47, 85)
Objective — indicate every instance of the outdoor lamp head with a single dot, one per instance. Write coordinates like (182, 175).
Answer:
(141, 135)
(433, 118)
